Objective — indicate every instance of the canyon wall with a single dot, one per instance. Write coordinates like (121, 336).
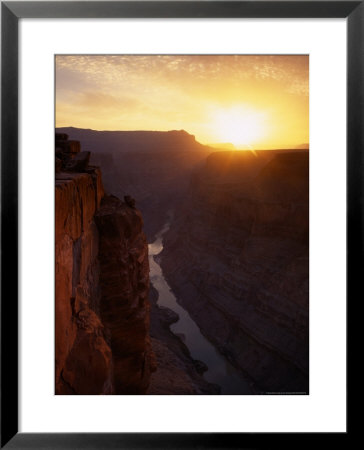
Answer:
(102, 343)
(124, 282)
(237, 260)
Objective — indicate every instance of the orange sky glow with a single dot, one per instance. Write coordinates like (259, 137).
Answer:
(251, 101)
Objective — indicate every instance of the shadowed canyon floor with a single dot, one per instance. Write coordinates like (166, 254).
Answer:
(215, 368)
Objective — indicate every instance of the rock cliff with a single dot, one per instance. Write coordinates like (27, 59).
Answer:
(237, 260)
(152, 166)
(101, 280)
(124, 282)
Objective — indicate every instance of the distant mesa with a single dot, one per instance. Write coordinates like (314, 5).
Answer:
(142, 141)
(133, 141)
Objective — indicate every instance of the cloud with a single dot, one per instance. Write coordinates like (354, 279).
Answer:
(134, 70)
(105, 102)
(178, 91)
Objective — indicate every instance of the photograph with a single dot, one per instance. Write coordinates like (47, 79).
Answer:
(181, 214)
(181, 224)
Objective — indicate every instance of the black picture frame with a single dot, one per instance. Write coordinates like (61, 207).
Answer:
(11, 12)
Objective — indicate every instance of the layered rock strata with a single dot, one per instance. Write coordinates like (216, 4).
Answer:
(101, 283)
(237, 260)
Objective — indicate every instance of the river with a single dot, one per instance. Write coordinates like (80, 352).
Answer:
(220, 371)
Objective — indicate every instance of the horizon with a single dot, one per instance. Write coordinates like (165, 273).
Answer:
(250, 101)
(301, 146)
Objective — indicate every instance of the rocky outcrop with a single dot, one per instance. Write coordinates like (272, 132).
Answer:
(83, 356)
(124, 281)
(101, 282)
(237, 260)
(79, 162)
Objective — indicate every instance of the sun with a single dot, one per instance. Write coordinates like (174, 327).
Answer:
(240, 125)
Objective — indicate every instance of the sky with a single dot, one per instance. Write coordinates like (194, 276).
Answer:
(251, 101)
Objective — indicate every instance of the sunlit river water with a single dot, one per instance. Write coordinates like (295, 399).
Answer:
(220, 371)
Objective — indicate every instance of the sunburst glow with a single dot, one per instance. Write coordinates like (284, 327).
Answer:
(241, 126)
(258, 101)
